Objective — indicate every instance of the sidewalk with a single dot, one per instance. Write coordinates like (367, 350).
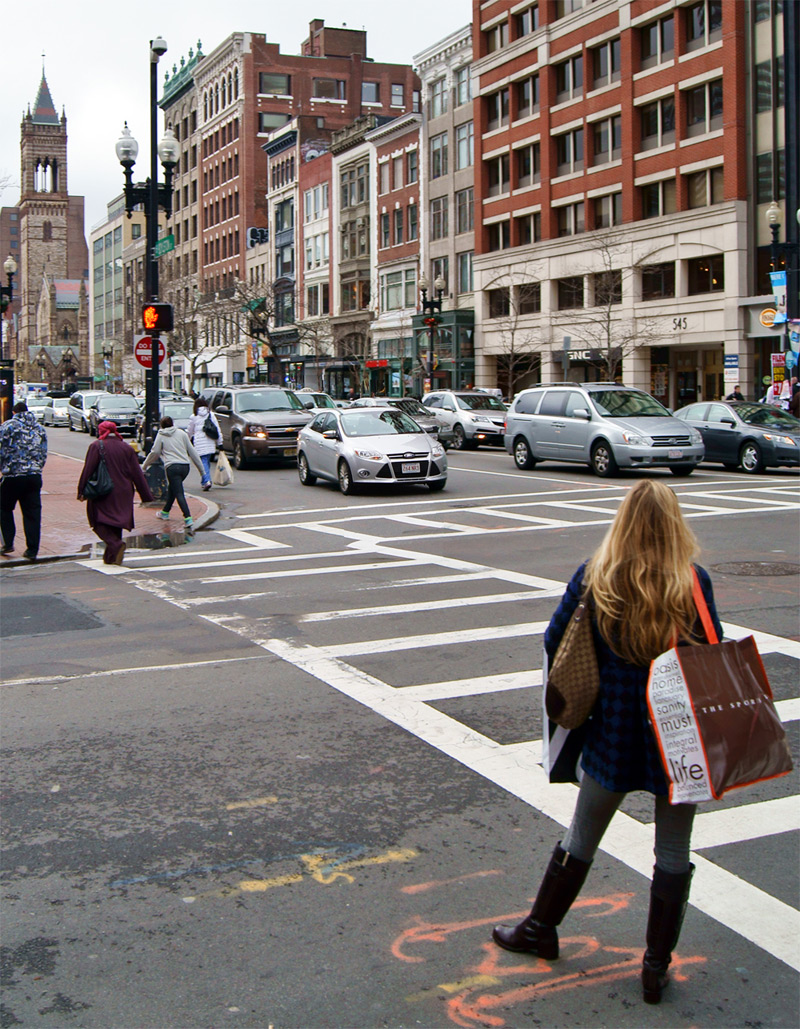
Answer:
(65, 530)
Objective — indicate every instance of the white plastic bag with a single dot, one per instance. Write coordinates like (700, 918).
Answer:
(223, 473)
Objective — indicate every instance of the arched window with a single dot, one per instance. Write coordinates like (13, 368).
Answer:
(223, 93)
(235, 83)
(230, 88)
(47, 231)
(216, 98)
(205, 106)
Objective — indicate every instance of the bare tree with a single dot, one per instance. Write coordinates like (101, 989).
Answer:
(512, 297)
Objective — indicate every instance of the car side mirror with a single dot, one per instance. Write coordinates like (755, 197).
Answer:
(582, 412)
(728, 421)
(222, 409)
(308, 404)
(331, 434)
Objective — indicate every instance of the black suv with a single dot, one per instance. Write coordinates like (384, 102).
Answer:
(257, 421)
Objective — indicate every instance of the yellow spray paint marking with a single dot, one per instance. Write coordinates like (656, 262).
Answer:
(262, 885)
(315, 863)
(256, 802)
(462, 984)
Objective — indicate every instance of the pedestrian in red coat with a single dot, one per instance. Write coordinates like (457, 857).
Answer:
(109, 515)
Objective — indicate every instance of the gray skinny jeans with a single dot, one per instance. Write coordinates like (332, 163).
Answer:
(597, 806)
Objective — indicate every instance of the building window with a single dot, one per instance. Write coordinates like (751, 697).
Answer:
(658, 281)
(499, 302)
(497, 109)
(465, 207)
(284, 309)
(569, 152)
(437, 100)
(416, 103)
(607, 288)
(383, 177)
(528, 97)
(465, 272)
(276, 85)
(463, 83)
(608, 211)
(527, 21)
(657, 123)
(569, 79)
(398, 290)
(370, 93)
(571, 219)
(565, 7)
(438, 146)
(657, 42)
(528, 165)
(354, 293)
(704, 108)
(570, 293)
(440, 269)
(385, 230)
(706, 274)
(397, 173)
(607, 139)
(412, 159)
(705, 188)
(397, 94)
(439, 226)
(606, 60)
(529, 298)
(497, 172)
(658, 198)
(329, 89)
(413, 222)
(267, 121)
(464, 145)
(398, 226)
(703, 23)
(496, 37)
(499, 235)
(136, 231)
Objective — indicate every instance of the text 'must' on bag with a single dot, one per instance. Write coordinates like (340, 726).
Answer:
(101, 483)
(713, 716)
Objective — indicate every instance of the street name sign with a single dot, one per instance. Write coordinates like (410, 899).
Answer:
(164, 245)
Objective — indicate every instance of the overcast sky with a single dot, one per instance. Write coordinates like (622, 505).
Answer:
(96, 63)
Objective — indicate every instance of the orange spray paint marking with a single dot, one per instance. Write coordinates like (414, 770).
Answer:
(422, 887)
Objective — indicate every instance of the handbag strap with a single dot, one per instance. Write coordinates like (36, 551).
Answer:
(702, 609)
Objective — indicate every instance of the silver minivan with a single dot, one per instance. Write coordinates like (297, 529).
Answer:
(602, 424)
(80, 406)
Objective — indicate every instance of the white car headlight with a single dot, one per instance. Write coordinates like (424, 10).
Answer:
(481, 418)
(369, 455)
(437, 450)
(636, 439)
(786, 440)
(695, 437)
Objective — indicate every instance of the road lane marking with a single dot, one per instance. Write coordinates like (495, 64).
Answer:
(745, 822)
(239, 805)
(41, 680)
(431, 605)
(301, 572)
(434, 639)
(473, 687)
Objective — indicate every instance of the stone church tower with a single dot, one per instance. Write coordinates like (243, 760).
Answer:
(51, 222)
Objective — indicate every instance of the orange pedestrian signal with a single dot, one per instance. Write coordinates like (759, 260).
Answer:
(157, 317)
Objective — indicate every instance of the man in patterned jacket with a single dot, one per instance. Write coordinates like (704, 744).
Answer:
(23, 452)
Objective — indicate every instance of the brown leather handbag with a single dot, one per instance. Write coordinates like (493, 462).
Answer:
(573, 680)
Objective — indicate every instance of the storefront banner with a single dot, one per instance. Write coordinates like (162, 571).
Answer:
(732, 368)
(778, 280)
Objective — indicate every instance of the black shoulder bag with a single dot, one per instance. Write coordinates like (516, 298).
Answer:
(101, 483)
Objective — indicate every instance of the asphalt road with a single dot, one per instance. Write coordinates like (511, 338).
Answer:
(287, 775)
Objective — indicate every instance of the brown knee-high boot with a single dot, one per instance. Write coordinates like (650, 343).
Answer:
(669, 894)
(537, 934)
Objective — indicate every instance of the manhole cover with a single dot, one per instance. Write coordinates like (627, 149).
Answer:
(37, 615)
(757, 568)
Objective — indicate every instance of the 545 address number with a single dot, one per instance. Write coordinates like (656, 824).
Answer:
(680, 323)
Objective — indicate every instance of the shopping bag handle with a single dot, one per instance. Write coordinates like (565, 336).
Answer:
(702, 609)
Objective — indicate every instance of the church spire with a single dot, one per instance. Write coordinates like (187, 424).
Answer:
(44, 112)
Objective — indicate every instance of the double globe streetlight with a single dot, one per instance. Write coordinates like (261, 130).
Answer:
(432, 310)
(6, 295)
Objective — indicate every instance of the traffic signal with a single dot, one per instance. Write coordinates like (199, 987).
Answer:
(157, 317)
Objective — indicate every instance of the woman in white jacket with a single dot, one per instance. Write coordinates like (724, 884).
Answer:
(204, 444)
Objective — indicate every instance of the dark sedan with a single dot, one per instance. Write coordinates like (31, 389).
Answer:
(744, 435)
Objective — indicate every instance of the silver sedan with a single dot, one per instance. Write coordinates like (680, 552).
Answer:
(369, 446)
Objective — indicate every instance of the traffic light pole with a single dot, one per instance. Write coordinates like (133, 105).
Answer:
(151, 264)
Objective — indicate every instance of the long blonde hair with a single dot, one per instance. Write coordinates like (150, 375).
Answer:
(640, 578)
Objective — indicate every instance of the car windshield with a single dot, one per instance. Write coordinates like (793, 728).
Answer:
(60, 402)
(177, 410)
(412, 407)
(480, 402)
(272, 400)
(320, 399)
(761, 414)
(123, 402)
(377, 422)
(39, 401)
(627, 403)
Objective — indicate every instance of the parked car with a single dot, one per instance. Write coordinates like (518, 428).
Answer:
(369, 446)
(80, 404)
(120, 408)
(424, 417)
(180, 411)
(745, 435)
(257, 421)
(56, 412)
(473, 416)
(37, 405)
(602, 424)
(312, 400)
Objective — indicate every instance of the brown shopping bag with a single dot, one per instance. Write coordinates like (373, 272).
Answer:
(713, 716)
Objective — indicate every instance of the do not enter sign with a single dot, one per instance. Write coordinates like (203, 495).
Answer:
(143, 351)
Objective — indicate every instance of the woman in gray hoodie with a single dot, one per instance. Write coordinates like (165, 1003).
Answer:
(174, 448)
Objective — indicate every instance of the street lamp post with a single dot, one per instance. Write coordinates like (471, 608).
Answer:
(108, 356)
(6, 296)
(791, 253)
(432, 310)
(67, 359)
(152, 195)
(41, 360)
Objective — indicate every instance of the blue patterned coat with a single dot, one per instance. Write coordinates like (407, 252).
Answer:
(620, 750)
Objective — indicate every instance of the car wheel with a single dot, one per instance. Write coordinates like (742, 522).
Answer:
(682, 469)
(71, 426)
(92, 431)
(345, 478)
(459, 439)
(437, 487)
(85, 426)
(523, 458)
(306, 476)
(604, 463)
(239, 458)
(751, 459)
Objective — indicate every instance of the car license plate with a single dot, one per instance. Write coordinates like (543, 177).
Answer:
(675, 455)
(409, 469)
(290, 452)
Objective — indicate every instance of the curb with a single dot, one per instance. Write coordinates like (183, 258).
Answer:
(210, 515)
